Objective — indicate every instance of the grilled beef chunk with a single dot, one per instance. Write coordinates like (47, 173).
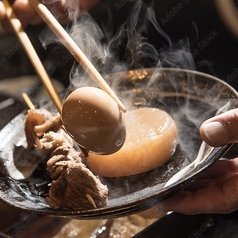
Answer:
(73, 185)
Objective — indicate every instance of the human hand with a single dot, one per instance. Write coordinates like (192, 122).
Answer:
(27, 15)
(2, 11)
(216, 189)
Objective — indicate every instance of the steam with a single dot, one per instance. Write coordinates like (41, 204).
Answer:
(88, 36)
(129, 48)
(70, 8)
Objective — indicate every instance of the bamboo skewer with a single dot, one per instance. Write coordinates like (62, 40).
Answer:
(73, 48)
(90, 199)
(28, 101)
(32, 55)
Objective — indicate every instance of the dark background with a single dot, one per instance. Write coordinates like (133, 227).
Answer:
(195, 24)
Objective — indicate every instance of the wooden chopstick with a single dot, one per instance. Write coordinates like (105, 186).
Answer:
(32, 55)
(73, 48)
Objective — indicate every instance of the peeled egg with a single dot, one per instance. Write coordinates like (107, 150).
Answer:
(94, 120)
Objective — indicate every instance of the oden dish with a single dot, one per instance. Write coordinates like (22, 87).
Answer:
(169, 89)
(151, 140)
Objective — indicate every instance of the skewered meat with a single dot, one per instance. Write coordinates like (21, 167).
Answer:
(73, 185)
(77, 182)
(53, 123)
(51, 140)
(34, 117)
(60, 157)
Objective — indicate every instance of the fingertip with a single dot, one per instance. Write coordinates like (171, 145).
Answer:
(26, 13)
(221, 129)
(2, 11)
(214, 133)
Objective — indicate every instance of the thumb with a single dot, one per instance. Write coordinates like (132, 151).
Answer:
(221, 129)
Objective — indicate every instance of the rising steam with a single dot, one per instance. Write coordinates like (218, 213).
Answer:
(129, 48)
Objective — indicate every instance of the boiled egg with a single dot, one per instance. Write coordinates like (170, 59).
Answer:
(94, 120)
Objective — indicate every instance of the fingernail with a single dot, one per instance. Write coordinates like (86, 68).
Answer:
(215, 132)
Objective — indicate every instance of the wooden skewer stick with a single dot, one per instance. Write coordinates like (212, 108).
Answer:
(32, 55)
(73, 48)
(31, 106)
(90, 199)
(28, 101)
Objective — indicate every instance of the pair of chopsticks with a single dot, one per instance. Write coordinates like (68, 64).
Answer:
(66, 40)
